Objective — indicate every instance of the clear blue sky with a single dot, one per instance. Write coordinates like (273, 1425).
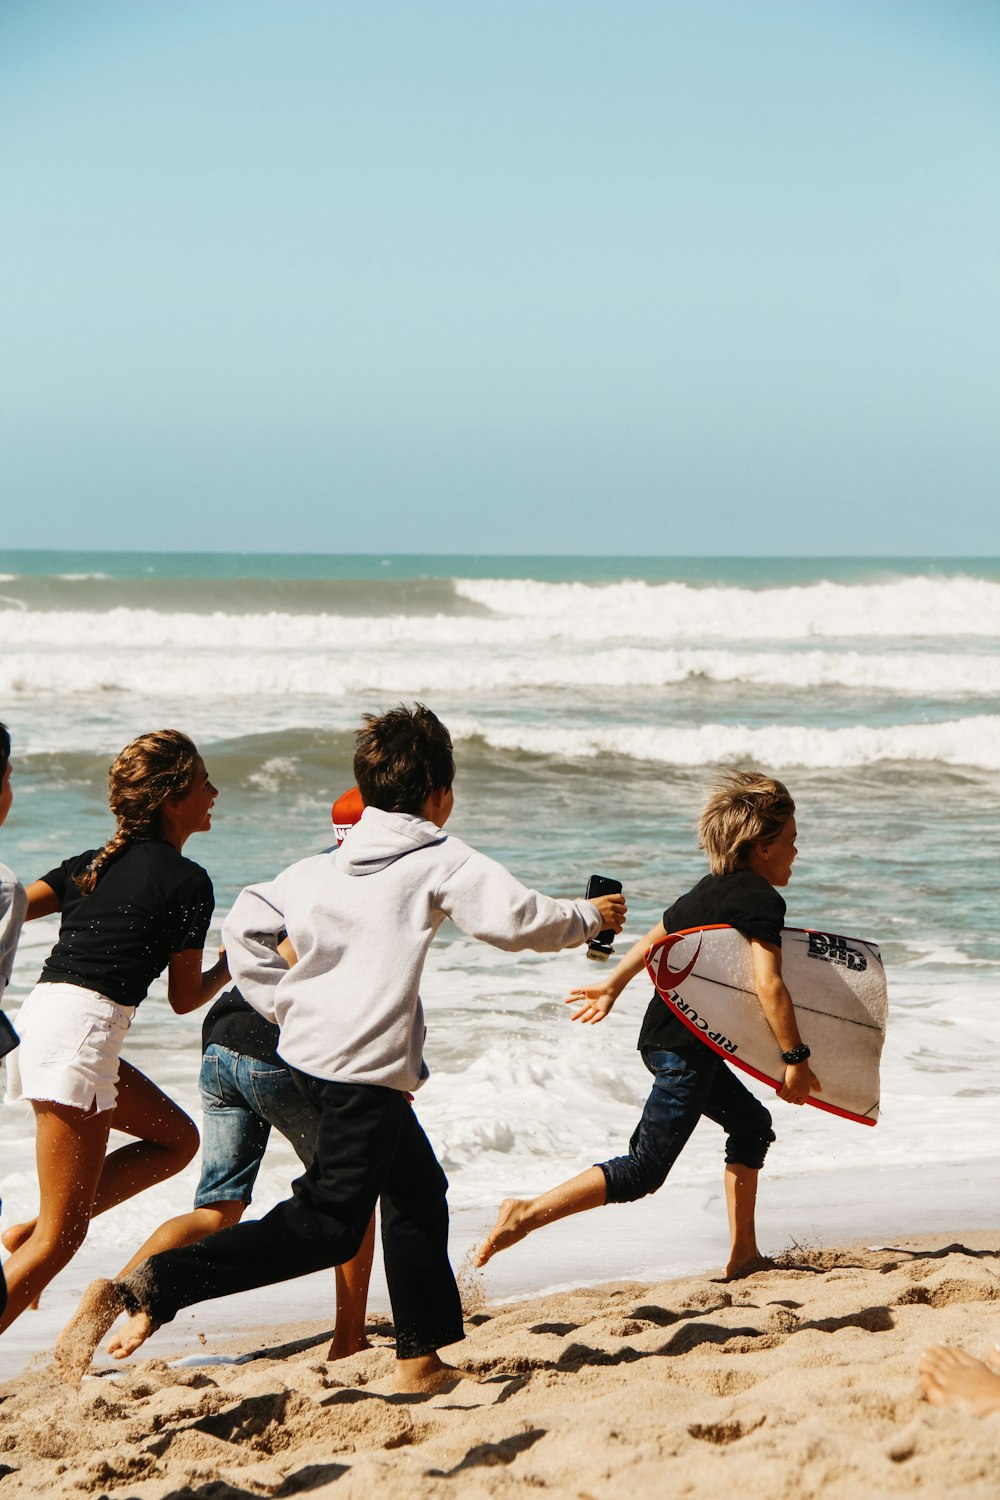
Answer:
(655, 276)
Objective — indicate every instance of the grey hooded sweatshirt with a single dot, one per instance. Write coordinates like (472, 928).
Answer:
(361, 919)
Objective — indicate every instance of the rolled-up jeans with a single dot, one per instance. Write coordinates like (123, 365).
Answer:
(688, 1083)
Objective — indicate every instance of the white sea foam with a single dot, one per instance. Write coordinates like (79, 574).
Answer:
(912, 607)
(523, 612)
(973, 742)
(174, 667)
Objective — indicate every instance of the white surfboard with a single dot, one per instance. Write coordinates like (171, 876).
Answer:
(837, 985)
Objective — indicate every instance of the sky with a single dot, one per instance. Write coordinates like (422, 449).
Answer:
(501, 276)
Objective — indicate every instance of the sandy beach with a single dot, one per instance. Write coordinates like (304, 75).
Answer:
(793, 1382)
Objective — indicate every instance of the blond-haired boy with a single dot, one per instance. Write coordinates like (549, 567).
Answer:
(748, 830)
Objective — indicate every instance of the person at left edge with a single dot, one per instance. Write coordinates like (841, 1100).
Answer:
(13, 905)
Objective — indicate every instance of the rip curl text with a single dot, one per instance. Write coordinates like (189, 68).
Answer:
(717, 1037)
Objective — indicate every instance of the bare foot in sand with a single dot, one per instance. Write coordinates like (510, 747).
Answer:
(342, 1347)
(950, 1377)
(513, 1223)
(131, 1335)
(746, 1267)
(427, 1375)
(14, 1237)
(99, 1307)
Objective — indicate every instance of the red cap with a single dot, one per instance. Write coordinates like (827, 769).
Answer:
(345, 812)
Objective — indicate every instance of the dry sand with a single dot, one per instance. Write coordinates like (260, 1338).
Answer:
(794, 1382)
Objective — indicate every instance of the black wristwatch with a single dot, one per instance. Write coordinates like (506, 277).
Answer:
(797, 1055)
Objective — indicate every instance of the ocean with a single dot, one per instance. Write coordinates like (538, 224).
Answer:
(589, 700)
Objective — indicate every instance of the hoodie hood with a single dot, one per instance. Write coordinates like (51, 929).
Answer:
(380, 838)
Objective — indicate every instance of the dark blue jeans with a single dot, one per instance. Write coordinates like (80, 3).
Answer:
(687, 1084)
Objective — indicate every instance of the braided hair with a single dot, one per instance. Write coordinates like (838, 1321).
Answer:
(148, 771)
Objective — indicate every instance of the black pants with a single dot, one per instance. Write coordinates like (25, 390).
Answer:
(370, 1145)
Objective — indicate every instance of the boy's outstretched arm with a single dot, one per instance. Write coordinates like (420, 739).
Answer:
(595, 1000)
(772, 992)
(486, 901)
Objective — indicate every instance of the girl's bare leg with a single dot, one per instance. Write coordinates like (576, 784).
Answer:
(352, 1299)
(77, 1180)
(69, 1152)
(166, 1140)
(741, 1203)
(520, 1216)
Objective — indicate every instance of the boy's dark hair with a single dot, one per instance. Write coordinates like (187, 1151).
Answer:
(401, 757)
(743, 808)
(4, 749)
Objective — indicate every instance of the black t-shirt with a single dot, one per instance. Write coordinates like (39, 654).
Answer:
(232, 1022)
(150, 902)
(742, 899)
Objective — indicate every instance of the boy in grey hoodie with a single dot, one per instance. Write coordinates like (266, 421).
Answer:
(360, 920)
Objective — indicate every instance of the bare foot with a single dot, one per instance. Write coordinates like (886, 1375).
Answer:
(99, 1307)
(349, 1344)
(950, 1377)
(131, 1335)
(427, 1375)
(512, 1225)
(14, 1237)
(747, 1265)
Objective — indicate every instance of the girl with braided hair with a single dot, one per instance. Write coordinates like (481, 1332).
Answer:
(128, 911)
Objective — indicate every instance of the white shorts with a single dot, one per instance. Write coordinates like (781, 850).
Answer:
(71, 1041)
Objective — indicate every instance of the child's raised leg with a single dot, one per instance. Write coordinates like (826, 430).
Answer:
(166, 1140)
(518, 1217)
(187, 1229)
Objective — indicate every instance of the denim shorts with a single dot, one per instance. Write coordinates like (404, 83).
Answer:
(241, 1098)
(687, 1084)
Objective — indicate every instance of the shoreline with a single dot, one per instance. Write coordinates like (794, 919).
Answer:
(794, 1381)
(678, 1232)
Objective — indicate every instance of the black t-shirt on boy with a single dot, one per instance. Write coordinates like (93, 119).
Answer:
(233, 1023)
(150, 902)
(742, 899)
